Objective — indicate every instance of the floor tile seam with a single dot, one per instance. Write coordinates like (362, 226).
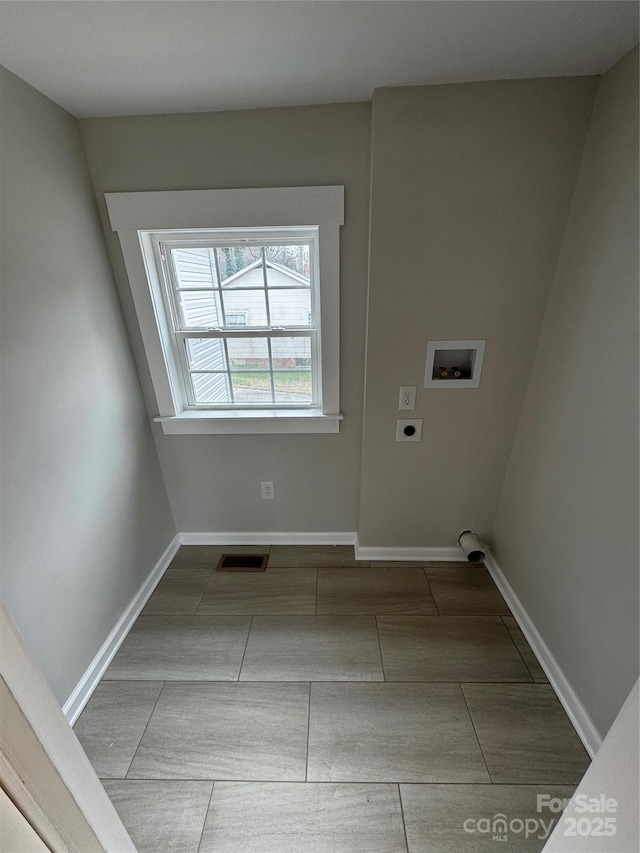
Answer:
(435, 602)
(384, 675)
(189, 682)
(280, 680)
(306, 761)
(217, 780)
(545, 679)
(475, 731)
(244, 653)
(155, 705)
(389, 614)
(472, 616)
(488, 784)
(426, 580)
(455, 681)
(210, 781)
(404, 822)
(226, 681)
(206, 815)
(527, 667)
(205, 781)
(339, 782)
(246, 615)
(204, 589)
(528, 683)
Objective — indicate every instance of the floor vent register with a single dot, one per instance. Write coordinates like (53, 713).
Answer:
(242, 563)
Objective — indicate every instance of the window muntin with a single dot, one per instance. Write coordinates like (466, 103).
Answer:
(245, 318)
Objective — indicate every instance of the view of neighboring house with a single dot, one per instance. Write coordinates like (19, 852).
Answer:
(226, 288)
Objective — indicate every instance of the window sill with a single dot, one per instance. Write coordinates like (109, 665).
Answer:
(263, 421)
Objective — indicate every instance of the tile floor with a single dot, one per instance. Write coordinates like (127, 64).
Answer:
(327, 706)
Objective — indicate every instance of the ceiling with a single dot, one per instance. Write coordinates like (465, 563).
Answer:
(98, 58)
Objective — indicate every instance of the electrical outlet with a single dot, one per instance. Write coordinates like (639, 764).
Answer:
(407, 397)
(268, 491)
(409, 430)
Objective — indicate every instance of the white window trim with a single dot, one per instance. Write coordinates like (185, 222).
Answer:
(133, 214)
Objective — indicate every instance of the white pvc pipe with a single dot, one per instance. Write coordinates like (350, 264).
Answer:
(474, 550)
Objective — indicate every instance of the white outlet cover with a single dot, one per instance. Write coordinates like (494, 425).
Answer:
(268, 492)
(403, 423)
(408, 392)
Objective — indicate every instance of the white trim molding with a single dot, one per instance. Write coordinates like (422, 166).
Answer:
(74, 705)
(236, 423)
(265, 207)
(43, 767)
(577, 713)
(142, 218)
(243, 537)
(340, 537)
(420, 555)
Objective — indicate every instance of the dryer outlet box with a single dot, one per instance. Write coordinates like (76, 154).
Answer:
(409, 429)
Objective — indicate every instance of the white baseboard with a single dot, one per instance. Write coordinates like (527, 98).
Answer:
(241, 537)
(244, 537)
(72, 708)
(424, 555)
(577, 713)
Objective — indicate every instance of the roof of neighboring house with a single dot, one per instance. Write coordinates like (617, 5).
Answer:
(233, 279)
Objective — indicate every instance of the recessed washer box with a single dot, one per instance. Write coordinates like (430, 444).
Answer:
(454, 364)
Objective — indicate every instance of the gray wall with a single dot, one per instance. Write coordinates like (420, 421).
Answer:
(214, 480)
(84, 508)
(566, 533)
(471, 186)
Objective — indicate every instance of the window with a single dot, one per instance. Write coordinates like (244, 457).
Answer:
(236, 318)
(261, 280)
(237, 294)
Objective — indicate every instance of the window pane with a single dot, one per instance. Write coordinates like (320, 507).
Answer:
(210, 387)
(248, 353)
(234, 259)
(293, 386)
(250, 303)
(199, 309)
(206, 354)
(290, 307)
(291, 353)
(194, 267)
(286, 260)
(251, 387)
